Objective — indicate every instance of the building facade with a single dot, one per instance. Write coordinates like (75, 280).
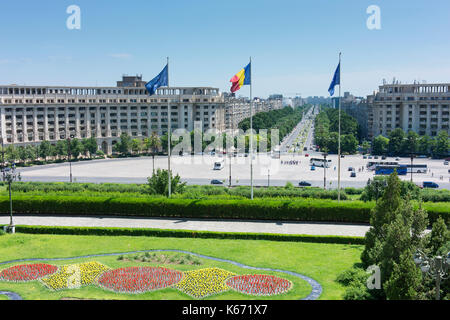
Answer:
(423, 108)
(357, 108)
(238, 109)
(32, 114)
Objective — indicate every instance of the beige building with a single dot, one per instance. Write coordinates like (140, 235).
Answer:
(32, 114)
(423, 108)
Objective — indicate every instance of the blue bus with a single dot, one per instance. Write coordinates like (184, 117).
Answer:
(388, 169)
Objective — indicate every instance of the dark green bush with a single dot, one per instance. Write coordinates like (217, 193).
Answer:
(266, 209)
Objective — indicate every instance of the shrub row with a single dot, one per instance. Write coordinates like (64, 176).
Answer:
(186, 234)
(260, 209)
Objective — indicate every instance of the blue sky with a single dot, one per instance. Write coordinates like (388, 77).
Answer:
(294, 44)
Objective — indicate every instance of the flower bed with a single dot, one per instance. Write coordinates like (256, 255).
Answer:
(139, 279)
(75, 275)
(27, 272)
(262, 285)
(204, 282)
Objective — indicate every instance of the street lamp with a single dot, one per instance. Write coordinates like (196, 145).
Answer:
(412, 157)
(10, 176)
(437, 267)
(70, 156)
(325, 170)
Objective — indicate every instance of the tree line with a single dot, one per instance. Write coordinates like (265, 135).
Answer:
(399, 143)
(60, 151)
(326, 131)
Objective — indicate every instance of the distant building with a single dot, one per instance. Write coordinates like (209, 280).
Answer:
(423, 108)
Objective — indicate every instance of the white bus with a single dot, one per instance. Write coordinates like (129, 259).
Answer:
(417, 168)
(371, 165)
(219, 164)
(319, 162)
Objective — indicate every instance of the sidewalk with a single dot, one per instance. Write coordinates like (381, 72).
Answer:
(253, 226)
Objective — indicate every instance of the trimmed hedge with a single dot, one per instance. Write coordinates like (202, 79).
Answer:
(260, 209)
(186, 234)
(264, 209)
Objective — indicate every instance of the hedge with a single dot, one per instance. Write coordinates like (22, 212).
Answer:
(186, 234)
(260, 209)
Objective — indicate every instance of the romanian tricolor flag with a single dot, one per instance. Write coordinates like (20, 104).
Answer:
(242, 78)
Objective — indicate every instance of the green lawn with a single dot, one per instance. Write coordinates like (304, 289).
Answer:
(322, 262)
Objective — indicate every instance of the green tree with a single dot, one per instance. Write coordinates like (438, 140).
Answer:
(425, 144)
(61, 148)
(395, 234)
(90, 146)
(439, 236)
(380, 145)
(124, 145)
(159, 183)
(411, 143)
(136, 145)
(153, 143)
(76, 147)
(349, 144)
(442, 144)
(396, 138)
(44, 150)
(365, 146)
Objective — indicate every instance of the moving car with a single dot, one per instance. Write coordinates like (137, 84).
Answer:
(351, 169)
(353, 174)
(429, 184)
(445, 163)
(216, 182)
(306, 155)
(313, 168)
(304, 184)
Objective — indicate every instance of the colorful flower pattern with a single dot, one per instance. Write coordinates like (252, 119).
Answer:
(261, 285)
(75, 275)
(196, 283)
(139, 279)
(204, 282)
(27, 272)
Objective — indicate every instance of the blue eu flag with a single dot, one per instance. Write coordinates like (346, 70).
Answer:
(336, 79)
(161, 80)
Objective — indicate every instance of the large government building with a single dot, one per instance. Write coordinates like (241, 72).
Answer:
(32, 114)
(423, 108)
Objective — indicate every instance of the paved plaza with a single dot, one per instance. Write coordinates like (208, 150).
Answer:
(199, 170)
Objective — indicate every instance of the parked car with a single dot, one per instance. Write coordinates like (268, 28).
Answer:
(364, 157)
(304, 184)
(216, 182)
(342, 156)
(445, 163)
(429, 184)
(370, 157)
(397, 159)
(383, 158)
(353, 174)
(422, 156)
(313, 168)
(376, 157)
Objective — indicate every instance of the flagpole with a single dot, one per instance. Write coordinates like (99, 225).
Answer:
(251, 130)
(339, 137)
(168, 131)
